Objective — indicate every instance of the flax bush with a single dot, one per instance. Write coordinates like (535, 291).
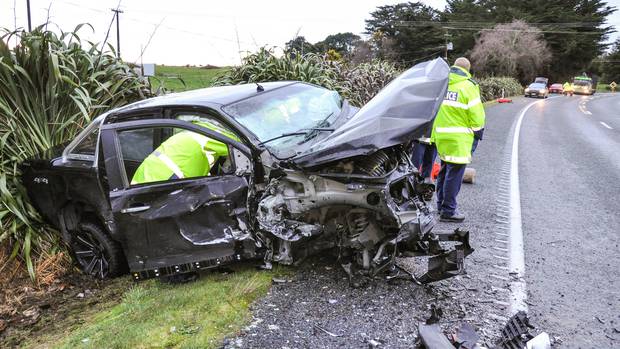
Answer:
(356, 83)
(51, 86)
(491, 87)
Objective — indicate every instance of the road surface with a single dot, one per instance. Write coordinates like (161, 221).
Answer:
(569, 180)
(570, 190)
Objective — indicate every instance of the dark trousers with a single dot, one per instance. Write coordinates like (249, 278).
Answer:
(424, 157)
(448, 186)
(449, 183)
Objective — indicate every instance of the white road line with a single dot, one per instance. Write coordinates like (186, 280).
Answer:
(604, 124)
(583, 110)
(516, 265)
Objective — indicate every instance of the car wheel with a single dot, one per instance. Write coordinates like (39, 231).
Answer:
(96, 253)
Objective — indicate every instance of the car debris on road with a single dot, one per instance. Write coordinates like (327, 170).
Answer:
(515, 335)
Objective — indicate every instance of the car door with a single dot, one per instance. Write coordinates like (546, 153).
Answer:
(176, 225)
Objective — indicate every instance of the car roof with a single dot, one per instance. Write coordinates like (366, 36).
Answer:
(212, 97)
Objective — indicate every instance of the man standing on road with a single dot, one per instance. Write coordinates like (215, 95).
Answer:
(567, 89)
(460, 121)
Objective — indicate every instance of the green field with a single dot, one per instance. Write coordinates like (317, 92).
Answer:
(182, 78)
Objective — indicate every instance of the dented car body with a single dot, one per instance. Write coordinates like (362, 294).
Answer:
(306, 173)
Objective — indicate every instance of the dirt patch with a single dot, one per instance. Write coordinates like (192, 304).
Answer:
(60, 299)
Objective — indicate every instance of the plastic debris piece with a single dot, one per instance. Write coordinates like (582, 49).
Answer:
(516, 332)
(466, 337)
(542, 341)
(432, 337)
(373, 343)
(436, 314)
(326, 331)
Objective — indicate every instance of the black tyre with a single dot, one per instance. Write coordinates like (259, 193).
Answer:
(96, 253)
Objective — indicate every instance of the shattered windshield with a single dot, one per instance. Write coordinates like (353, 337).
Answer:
(281, 118)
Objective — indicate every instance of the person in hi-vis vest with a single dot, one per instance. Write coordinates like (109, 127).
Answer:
(186, 154)
(456, 130)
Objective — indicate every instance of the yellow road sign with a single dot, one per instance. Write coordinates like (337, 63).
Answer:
(613, 86)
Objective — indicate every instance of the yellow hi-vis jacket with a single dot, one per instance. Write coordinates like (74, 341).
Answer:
(567, 87)
(460, 115)
(183, 155)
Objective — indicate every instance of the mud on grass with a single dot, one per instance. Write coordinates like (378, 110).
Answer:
(34, 315)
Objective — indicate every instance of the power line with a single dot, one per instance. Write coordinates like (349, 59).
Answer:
(527, 31)
(155, 24)
(489, 23)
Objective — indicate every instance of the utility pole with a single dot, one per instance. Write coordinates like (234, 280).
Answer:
(29, 21)
(118, 33)
(448, 45)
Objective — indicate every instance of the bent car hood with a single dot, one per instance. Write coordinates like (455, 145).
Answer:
(401, 111)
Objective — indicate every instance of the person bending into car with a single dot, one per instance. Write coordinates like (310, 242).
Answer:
(456, 130)
(186, 154)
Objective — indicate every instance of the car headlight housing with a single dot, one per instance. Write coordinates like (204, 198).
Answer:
(527, 90)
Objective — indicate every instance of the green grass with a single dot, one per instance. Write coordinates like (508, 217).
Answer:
(603, 87)
(181, 78)
(155, 315)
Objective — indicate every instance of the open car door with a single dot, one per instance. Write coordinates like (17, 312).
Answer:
(181, 223)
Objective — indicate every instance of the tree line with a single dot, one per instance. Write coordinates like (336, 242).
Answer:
(554, 38)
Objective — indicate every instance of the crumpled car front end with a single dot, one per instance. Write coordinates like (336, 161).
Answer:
(351, 187)
(368, 209)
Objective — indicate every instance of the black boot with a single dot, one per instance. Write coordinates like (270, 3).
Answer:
(456, 217)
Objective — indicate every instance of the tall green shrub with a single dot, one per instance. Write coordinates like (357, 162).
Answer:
(356, 83)
(51, 86)
(492, 87)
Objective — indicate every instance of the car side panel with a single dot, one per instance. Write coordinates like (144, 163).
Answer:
(57, 185)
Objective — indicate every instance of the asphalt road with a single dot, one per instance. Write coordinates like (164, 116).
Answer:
(570, 188)
(569, 165)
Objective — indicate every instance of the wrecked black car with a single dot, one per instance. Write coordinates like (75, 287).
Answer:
(303, 172)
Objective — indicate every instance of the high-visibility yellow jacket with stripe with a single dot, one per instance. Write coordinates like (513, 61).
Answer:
(185, 154)
(460, 115)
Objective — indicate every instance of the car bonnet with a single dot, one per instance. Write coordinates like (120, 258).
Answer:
(403, 110)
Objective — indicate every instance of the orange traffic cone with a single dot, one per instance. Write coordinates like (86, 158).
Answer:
(435, 171)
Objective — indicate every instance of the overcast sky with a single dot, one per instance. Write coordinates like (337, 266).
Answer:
(204, 32)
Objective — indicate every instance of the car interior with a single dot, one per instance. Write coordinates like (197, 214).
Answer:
(137, 144)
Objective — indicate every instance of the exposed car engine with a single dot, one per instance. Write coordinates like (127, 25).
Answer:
(368, 209)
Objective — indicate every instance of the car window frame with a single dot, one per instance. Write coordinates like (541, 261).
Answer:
(87, 131)
(114, 160)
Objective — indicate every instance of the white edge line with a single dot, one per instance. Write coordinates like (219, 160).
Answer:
(516, 264)
(604, 124)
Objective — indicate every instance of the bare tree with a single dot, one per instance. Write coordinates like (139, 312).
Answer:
(514, 49)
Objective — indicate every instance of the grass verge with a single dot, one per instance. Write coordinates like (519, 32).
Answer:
(156, 315)
(179, 78)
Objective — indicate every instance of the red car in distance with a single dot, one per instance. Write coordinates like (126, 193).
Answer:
(556, 88)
